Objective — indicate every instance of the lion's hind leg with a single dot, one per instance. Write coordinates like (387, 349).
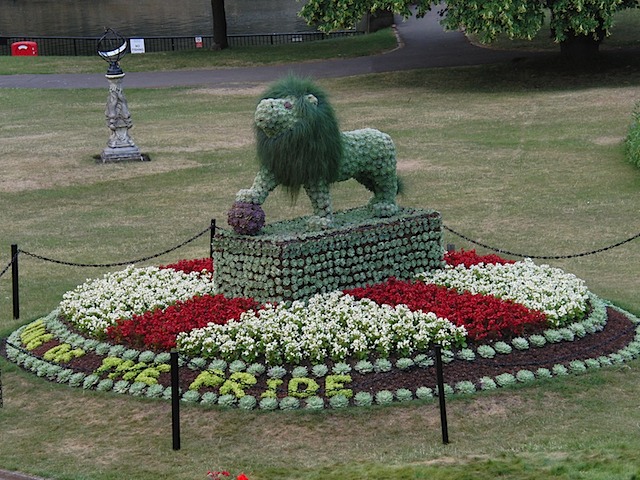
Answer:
(383, 202)
(380, 196)
(373, 161)
(383, 183)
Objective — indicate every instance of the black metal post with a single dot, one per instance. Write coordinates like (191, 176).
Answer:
(212, 233)
(14, 279)
(441, 395)
(175, 400)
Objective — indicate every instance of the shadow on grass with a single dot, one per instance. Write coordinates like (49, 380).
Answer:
(537, 72)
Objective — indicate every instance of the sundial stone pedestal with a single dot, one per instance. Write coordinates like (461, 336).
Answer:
(120, 146)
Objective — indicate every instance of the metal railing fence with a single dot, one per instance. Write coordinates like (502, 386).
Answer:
(85, 46)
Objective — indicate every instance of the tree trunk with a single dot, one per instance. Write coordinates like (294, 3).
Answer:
(580, 48)
(220, 40)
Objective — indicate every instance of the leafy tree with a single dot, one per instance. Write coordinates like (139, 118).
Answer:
(577, 25)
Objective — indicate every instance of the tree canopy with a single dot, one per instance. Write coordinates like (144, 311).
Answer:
(586, 21)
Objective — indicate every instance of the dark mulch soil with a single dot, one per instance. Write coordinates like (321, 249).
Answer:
(618, 332)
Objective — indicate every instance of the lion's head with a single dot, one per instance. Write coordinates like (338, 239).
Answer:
(297, 133)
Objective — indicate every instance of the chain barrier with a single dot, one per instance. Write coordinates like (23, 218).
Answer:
(8, 265)
(541, 257)
(198, 235)
(117, 264)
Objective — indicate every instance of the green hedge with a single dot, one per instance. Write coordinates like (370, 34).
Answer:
(632, 143)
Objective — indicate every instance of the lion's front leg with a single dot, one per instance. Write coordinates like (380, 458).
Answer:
(263, 184)
(321, 202)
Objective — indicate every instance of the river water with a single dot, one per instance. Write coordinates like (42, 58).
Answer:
(140, 18)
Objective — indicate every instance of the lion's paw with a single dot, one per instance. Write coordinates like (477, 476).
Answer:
(384, 209)
(319, 223)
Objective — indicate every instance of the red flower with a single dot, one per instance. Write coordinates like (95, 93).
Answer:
(470, 257)
(216, 475)
(158, 329)
(188, 266)
(484, 316)
(242, 476)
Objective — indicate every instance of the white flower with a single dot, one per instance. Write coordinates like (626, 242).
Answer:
(333, 324)
(561, 296)
(97, 304)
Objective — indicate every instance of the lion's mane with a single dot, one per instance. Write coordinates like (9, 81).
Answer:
(312, 150)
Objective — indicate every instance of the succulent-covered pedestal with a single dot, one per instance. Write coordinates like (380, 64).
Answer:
(287, 262)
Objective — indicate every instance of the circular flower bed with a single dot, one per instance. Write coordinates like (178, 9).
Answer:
(499, 323)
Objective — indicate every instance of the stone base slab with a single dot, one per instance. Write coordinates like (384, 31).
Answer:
(121, 154)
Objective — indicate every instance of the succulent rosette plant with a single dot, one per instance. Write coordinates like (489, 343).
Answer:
(246, 218)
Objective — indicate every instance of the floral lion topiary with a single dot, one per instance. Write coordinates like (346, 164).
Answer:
(299, 145)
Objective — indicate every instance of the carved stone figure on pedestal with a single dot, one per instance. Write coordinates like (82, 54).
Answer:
(120, 147)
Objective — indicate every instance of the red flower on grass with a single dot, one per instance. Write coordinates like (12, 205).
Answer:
(219, 475)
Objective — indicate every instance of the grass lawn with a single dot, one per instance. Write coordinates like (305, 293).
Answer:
(520, 156)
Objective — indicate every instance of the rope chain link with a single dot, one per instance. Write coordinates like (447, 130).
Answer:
(541, 257)
(198, 235)
(117, 264)
(15, 257)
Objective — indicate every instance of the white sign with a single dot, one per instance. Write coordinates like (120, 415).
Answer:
(137, 45)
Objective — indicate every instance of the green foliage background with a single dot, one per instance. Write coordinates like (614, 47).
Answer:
(632, 143)
(514, 19)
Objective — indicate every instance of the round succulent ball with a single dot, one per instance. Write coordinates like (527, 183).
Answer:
(246, 218)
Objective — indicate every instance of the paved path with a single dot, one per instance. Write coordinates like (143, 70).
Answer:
(424, 44)
(7, 475)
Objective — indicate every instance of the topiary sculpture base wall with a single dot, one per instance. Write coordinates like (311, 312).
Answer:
(286, 262)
